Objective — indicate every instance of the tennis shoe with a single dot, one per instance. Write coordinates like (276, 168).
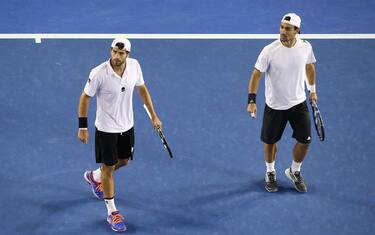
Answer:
(96, 187)
(116, 220)
(296, 177)
(270, 182)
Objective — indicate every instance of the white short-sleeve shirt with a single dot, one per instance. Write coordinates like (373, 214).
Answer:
(114, 94)
(285, 70)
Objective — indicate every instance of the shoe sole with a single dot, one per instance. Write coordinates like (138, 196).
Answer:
(117, 230)
(271, 191)
(295, 187)
(89, 183)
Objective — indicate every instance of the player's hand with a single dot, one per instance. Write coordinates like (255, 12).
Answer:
(157, 123)
(252, 109)
(313, 97)
(83, 136)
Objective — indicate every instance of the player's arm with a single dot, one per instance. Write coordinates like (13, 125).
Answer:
(146, 97)
(83, 109)
(311, 78)
(252, 91)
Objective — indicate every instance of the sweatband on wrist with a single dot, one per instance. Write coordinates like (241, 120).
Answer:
(82, 122)
(252, 98)
(312, 88)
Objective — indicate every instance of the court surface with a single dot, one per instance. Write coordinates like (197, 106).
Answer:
(214, 185)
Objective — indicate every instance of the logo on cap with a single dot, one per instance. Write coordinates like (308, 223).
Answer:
(293, 19)
(120, 45)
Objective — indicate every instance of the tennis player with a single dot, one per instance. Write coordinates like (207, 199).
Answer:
(113, 83)
(287, 62)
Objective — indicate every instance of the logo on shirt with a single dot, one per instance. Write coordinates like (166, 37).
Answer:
(89, 80)
(122, 89)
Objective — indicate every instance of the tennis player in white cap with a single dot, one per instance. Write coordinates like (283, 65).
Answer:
(113, 83)
(287, 63)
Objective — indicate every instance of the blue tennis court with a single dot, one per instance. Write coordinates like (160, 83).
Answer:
(215, 183)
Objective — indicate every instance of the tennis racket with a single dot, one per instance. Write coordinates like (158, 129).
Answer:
(161, 135)
(318, 121)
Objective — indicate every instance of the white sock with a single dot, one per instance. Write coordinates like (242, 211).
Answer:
(296, 166)
(110, 203)
(96, 175)
(270, 166)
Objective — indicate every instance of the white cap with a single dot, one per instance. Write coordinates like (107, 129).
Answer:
(125, 41)
(293, 19)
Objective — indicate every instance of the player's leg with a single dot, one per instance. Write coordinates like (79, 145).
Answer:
(96, 174)
(105, 147)
(124, 145)
(114, 218)
(299, 153)
(273, 127)
(270, 152)
(107, 154)
(121, 163)
(107, 181)
(300, 123)
(125, 152)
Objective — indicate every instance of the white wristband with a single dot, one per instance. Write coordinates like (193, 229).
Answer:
(83, 129)
(312, 88)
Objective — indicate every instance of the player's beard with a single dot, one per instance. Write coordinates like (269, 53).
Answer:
(283, 38)
(117, 62)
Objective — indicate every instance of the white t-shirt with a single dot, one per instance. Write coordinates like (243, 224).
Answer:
(285, 70)
(114, 94)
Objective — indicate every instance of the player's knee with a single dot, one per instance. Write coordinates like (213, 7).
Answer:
(304, 145)
(123, 162)
(270, 147)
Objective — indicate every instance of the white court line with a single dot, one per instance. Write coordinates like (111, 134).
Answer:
(38, 37)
